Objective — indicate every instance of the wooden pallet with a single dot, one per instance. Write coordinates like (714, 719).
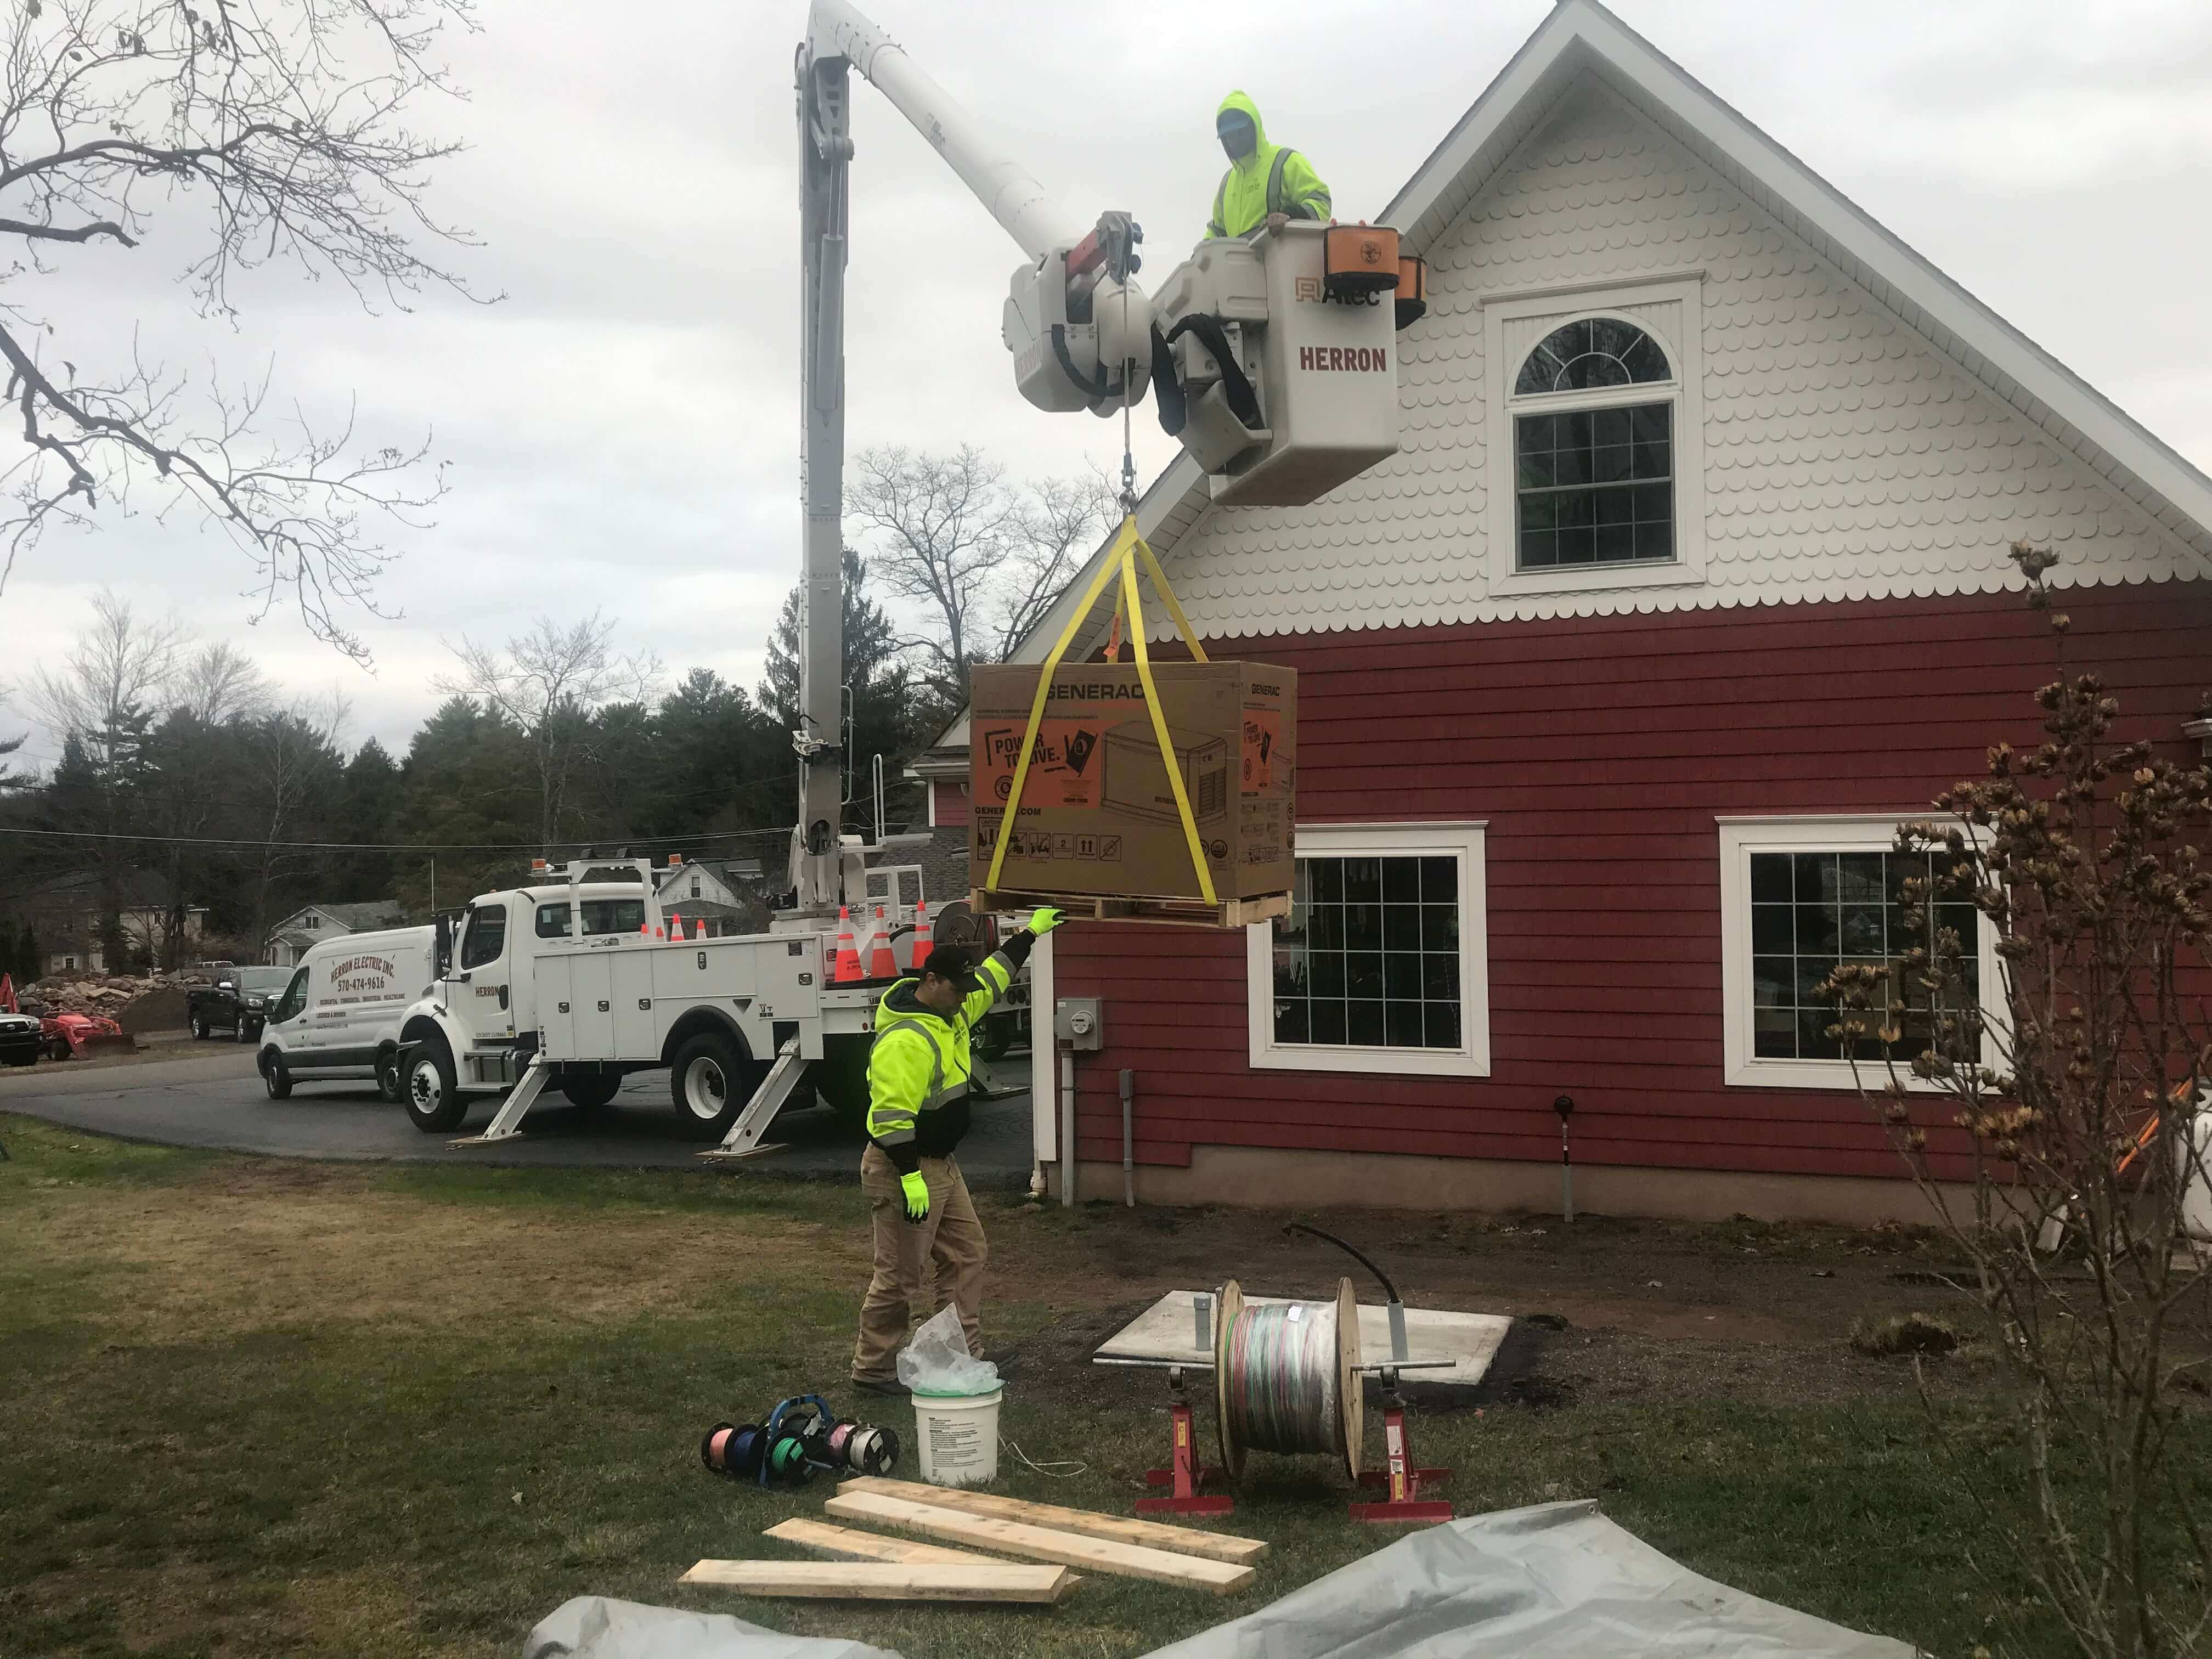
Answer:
(1093, 907)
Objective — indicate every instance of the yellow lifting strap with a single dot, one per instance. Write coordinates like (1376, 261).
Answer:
(1120, 560)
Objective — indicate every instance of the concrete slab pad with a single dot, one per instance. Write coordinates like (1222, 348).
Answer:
(1164, 1332)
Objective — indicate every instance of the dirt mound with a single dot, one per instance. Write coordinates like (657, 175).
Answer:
(161, 1009)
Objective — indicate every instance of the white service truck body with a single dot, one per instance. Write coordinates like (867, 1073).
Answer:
(577, 983)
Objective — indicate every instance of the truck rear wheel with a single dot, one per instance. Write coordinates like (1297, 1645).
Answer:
(711, 1080)
(199, 1028)
(433, 1091)
(591, 1090)
(391, 1086)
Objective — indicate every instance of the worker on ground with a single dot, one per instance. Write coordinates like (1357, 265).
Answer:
(919, 1068)
(1263, 180)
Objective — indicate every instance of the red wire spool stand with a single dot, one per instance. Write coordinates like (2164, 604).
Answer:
(1185, 1473)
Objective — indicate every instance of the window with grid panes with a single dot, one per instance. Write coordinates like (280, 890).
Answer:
(1370, 954)
(1810, 910)
(1594, 485)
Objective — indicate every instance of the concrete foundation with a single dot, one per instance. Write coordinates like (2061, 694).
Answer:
(1256, 1177)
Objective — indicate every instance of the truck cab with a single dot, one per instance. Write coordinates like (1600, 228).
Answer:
(476, 1031)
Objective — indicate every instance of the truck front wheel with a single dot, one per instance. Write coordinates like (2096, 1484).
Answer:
(712, 1079)
(434, 1092)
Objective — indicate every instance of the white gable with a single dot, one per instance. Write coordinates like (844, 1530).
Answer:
(1844, 456)
(1870, 428)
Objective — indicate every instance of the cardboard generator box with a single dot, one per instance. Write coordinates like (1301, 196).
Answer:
(1097, 814)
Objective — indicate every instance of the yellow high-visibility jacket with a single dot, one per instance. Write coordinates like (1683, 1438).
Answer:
(1273, 178)
(919, 1064)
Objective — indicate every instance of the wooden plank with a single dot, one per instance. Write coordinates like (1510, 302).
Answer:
(844, 1544)
(1042, 1543)
(1185, 1541)
(887, 1581)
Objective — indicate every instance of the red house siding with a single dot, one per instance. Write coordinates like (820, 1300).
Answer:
(1600, 752)
(951, 803)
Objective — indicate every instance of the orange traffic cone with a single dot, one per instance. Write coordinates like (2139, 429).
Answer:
(921, 940)
(676, 928)
(849, 957)
(882, 963)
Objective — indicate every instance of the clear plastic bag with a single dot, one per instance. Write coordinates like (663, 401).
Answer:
(937, 1360)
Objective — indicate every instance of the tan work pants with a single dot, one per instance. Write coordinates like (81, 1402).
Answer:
(949, 1247)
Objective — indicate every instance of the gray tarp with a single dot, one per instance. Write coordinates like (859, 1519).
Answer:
(1558, 1581)
(600, 1627)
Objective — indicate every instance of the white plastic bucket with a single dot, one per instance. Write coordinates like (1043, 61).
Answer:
(958, 1438)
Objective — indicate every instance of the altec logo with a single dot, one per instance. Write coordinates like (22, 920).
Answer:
(1344, 360)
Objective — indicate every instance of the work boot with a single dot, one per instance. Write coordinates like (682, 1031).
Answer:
(1008, 1360)
(891, 1388)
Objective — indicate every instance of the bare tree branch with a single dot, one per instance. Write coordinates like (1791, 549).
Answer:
(278, 127)
(980, 559)
(549, 681)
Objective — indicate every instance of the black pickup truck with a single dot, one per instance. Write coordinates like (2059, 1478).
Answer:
(237, 1002)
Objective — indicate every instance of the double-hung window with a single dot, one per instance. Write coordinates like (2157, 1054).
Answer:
(1798, 896)
(1383, 964)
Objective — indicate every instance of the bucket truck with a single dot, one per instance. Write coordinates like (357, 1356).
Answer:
(1269, 356)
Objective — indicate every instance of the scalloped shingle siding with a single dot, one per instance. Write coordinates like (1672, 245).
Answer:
(1846, 458)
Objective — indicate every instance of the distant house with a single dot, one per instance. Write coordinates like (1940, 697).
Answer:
(724, 896)
(64, 914)
(305, 928)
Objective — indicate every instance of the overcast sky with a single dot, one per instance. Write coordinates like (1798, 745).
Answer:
(622, 428)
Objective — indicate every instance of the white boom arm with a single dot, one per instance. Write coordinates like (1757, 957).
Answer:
(1278, 372)
(1006, 188)
(1053, 327)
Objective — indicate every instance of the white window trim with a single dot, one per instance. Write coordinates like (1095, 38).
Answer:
(1464, 840)
(1841, 833)
(1686, 392)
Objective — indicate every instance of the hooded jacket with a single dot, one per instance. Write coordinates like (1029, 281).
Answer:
(921, 1062)
(1273, 178)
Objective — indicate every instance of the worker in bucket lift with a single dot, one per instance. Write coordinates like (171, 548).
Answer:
(919, 1067)
(1263, 180)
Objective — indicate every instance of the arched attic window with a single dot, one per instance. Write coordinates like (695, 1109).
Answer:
(1593, 441)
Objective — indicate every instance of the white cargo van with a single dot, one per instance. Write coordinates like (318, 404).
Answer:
(340, 1016)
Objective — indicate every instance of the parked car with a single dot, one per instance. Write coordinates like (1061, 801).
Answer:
(21, 1037)
(340, 1016)
(237, 1002)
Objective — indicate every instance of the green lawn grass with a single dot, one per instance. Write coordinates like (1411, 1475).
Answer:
(351, 1457)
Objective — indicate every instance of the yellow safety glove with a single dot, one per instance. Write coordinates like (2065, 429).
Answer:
(917, 1196)
(1044, 919)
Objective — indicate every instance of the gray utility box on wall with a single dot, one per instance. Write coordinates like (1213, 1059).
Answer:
(1079, 1023)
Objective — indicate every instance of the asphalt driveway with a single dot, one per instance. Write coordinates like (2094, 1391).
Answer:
(213, 1098)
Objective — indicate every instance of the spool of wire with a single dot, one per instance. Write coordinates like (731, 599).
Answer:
(861, 1447)
(1286, 1376)
(732, 1450)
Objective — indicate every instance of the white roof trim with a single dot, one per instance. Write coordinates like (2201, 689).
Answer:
(1583, 35)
